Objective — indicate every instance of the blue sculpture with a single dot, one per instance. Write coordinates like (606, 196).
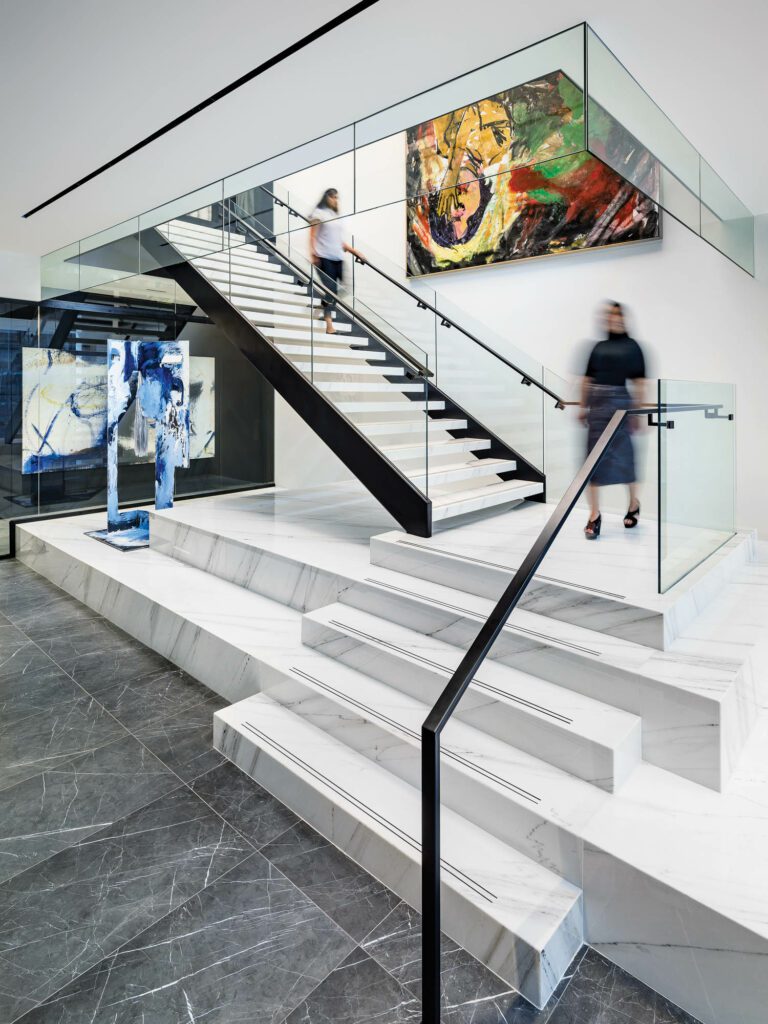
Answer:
(155, 375)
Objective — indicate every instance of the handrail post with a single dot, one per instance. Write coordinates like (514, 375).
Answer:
(430, 875)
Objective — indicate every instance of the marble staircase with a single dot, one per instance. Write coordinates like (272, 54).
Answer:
(592, 785)
(361, 378)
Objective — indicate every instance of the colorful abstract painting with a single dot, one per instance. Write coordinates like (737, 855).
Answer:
(64, 413)
(508, 178)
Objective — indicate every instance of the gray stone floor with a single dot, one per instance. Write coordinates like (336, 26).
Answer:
(144, 879)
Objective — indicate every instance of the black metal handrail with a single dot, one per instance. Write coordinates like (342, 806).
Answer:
(448, 700)
(315, 281)
(445, 321)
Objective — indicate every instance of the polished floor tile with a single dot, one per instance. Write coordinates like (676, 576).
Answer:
(57, 732)
(602, 993)
(99, 655)
(62, 916)
(184, 741)
(248, 949)
(346, 892)
(153, 695)
(30, 683)
(41, 609)
(61, 806)
(471, 994)
(243, 803)
(359, 990)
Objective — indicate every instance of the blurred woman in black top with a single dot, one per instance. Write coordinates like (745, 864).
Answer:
(612, 363)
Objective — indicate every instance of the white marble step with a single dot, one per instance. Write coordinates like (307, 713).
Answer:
(672, 871)
(696, 713)
(411, 452)
(412, 426)
(322, 367)
(273, 305)
(244, 271)
(522, 920)
(438, 473)
(300, 318)
(266, 278)
(271, 296)
(587, 738)
(300, 334)
(333, 348)
(389, 406)
(375, 386)
(485, 571)
(450, 504)
(218, 250)
(244, 262)
(201, 231)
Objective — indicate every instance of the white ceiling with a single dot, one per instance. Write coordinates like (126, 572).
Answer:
(84, 80)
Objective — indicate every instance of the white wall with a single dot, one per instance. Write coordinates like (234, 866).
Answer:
(19, 275)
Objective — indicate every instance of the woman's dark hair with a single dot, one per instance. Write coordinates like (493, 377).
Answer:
(328, 194)
(616, 307)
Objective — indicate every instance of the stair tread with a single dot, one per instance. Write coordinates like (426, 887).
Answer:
(527, 898)
(500, 491)
(595, 720)
(454, 444)
(469, 468)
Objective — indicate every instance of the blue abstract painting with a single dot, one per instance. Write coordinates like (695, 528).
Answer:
(64, 413)
(154, 376)
(64, 410)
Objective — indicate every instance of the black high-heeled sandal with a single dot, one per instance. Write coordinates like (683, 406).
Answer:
(632, 517)
(592, 529)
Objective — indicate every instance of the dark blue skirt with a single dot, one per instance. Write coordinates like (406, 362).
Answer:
(617, 466)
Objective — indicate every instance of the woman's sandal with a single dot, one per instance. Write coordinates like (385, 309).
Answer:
(592, 529)
(630, 519)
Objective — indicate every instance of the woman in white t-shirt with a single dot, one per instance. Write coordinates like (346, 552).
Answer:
(328, 248)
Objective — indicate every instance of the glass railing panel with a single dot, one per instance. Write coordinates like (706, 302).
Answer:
(60, 271)
(110, 255)
(493, 393)
(516, 111)
(725, 221)
(629, 132)
(298, 159)
(188, 227)
(564, 435)
(696, 474)
(562, 52)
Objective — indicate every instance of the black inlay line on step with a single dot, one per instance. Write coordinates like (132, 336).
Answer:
(271, 62)
(449, 671)
(510, 568)
(457, 873)
(476, 615)
(446, 752)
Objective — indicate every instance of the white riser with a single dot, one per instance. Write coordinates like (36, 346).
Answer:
(591, 740)
(520, 919)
